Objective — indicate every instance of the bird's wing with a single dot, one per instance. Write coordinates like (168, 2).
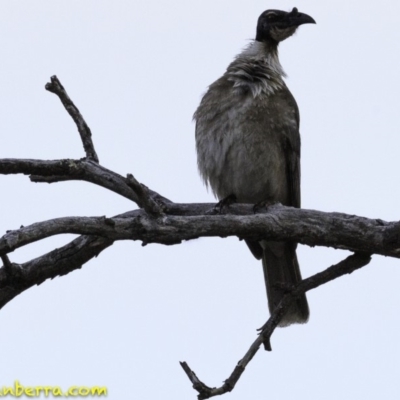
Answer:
(293, 170)
(291, 144)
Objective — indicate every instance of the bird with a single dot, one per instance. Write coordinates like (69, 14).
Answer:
(248, 145)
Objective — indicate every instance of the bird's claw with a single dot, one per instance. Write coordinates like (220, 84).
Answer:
(225, 202)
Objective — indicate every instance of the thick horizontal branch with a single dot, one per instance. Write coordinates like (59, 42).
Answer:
(309, 227)
(185, 222)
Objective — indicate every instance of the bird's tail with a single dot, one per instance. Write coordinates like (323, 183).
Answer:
(281, 268)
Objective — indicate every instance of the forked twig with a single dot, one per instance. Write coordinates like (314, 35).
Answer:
(145, 199)
(347, 266)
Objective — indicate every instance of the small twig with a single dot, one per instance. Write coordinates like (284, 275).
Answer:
(6, 262)
(144, 195)
(57, 88)
(347, 266)
(13, 272)
(198, 385)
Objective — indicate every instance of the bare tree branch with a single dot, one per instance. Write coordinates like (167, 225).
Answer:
(6, 263)
(146, 201)
(161, 221)
(48, 266)
(55, 86)
(70, 170)
(347, 266)
(277, 223)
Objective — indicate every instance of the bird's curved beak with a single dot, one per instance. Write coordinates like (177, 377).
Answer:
(295, 18)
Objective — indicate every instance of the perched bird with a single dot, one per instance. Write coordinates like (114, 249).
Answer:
(248, 144)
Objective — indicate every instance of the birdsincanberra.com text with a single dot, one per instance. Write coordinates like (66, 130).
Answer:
(19, 390)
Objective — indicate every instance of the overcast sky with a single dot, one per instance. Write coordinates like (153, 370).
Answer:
(137, 70)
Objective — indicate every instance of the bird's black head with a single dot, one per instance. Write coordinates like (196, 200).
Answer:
(275, 25)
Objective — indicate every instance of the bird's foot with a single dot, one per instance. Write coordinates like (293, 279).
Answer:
(262, 205)
(225, 202)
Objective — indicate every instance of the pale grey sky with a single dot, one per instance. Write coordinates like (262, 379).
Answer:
(137, 70)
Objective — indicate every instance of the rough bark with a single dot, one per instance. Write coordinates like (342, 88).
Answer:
(159, 220)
